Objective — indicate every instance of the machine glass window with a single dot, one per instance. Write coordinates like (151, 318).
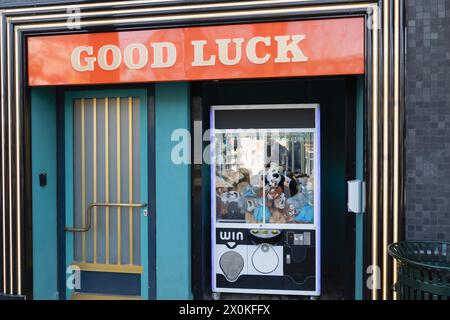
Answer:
(239, 160)
(264, 176)
(289, 177)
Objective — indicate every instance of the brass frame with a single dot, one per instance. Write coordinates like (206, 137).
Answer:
(385, 105)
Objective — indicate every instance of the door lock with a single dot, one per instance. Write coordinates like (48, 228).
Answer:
(145, 212)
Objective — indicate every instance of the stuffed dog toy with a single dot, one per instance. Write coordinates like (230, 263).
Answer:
(277, 211)
(231, 205)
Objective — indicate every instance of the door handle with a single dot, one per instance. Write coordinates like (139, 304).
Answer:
(102, 205)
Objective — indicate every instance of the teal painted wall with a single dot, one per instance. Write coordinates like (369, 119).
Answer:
(43, 154)
(173, 194)
(359, 272)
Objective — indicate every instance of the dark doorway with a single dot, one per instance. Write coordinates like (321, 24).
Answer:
(337, 99)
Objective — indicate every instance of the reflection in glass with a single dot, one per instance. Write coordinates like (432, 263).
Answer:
(264, 176)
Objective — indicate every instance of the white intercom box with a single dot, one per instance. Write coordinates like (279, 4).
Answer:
(355, 196)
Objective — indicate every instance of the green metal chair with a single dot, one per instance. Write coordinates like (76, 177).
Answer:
(423, 270)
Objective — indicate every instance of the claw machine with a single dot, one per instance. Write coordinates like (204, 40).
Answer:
(265, 199)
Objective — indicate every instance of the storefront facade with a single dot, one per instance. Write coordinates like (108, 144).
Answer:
(160, 69)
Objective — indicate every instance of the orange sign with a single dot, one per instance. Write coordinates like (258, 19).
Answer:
(262, 50)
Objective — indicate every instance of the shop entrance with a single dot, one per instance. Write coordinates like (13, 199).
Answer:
(342, 143)
(106, 192)
(90, 201)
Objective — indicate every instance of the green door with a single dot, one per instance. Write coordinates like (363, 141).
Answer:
(106, 194)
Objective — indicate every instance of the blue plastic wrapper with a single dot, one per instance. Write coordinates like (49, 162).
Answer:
(306, 215)
(259, 214)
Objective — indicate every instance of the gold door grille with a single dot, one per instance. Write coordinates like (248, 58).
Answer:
(107, 170)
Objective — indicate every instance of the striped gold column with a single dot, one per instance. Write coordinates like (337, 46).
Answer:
(3, 150)
(119, 231)
(83, 180)
(130, 174)
(392, 191)
(374, 150)
(397, 145)
(94, 153)
(107, 180)
(10, 164)
(386, 109)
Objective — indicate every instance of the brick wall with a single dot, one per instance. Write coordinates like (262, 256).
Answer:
(428, 120)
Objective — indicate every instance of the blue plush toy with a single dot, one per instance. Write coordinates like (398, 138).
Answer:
(306, 215)
(249, 191)
(259, 214)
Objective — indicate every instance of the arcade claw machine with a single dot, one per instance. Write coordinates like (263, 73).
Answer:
(265, 199)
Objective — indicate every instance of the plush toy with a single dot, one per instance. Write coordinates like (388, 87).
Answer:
(245, 174)
(288, 172)
(244, 179)
(242, 186)
(232, 176)
(251, 204)
(297, 201)
(303, 181)
(297, 174)
(274, 178)
(231, 204)
(291, 186)
(287, 181)
(249, 191)
(274, 192)
(306, 215)
(310, 189)
(221, 183)
(277, 211)
(220, 197)
(290, 213)
(261, 214)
